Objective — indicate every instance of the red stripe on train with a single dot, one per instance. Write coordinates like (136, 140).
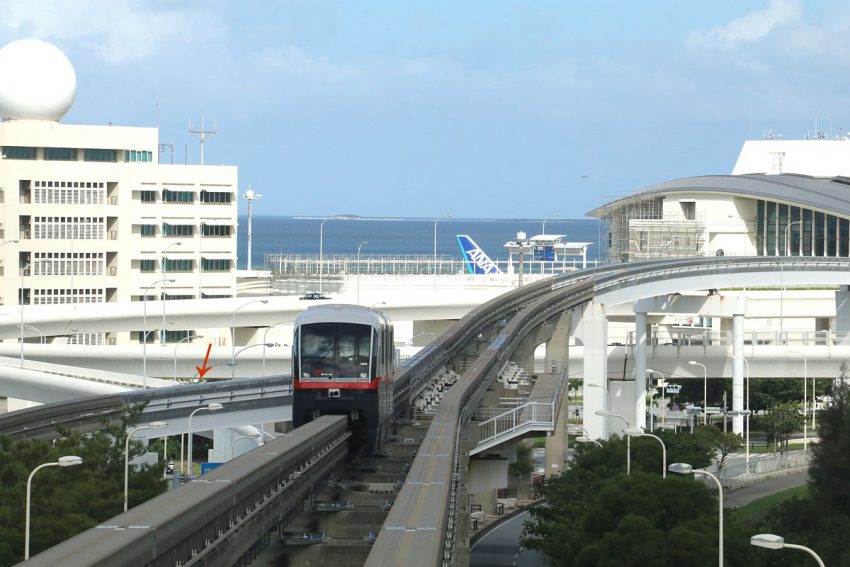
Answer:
(373, 385)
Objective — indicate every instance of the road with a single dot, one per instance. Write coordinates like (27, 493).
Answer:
(746, 494)
(500, 547)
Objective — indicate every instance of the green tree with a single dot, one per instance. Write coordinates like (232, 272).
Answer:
(781, 421)
(68, 501)
(822, 520)
(594, 518)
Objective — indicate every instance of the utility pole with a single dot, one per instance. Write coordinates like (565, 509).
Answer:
(250, 196)
(202, 134)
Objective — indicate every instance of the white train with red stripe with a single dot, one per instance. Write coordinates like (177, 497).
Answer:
(343, 363)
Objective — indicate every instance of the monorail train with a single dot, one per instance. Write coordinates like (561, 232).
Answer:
(343, 363)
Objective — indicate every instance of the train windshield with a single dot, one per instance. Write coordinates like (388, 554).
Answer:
(334, 351)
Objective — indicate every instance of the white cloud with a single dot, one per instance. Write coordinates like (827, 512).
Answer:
(749, 28)
(117, 31)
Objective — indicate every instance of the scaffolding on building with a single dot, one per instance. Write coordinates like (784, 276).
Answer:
(639, 229)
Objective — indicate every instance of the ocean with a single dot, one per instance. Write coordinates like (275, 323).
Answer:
(400, 237)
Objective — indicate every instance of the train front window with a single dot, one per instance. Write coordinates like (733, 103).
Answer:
(335, 351)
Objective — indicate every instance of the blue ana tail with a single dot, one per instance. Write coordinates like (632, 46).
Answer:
(477, 261)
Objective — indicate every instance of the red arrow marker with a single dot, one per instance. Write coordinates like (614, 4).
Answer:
(203, 370)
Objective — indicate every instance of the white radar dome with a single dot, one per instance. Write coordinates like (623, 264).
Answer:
(37, 81)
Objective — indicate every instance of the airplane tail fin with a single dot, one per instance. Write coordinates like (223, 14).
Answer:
(477, 261)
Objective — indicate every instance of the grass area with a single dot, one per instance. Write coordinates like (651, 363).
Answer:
(757, 509)
(539, 443)
(771, 449)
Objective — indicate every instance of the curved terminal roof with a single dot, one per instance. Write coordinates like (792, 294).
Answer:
(830, 195)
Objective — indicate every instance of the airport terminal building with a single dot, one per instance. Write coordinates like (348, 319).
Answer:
(783, 198)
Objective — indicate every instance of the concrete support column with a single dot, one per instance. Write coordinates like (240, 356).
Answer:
(738, 372)
(639, 416)
(594, 332)
(842, 315)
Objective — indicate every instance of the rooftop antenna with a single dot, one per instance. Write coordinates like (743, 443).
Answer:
(168, 146)
(202, 134)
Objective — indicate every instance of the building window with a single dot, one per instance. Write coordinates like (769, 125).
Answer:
(215, 197)
(177, 265)
(68, 264)
(178, 336)
(177, 229)
(62, 296)
(215, 296)
(215, 230)
(60, 154)
(169, 196)
(18, 152)
(148, 230)
(138, 155)
(215, 265)
(93, 154)
(147, 196)
(147, 265)
(172, 297)
(69, 192)
(65, 228)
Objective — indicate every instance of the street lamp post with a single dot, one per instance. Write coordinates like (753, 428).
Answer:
(586, 439)
(250, 196)
(787, 235)
(805, 399)
(239, 438)
(266, 332)
(23, 271)
(188, 337)
(771, 541)
(747, 363)
(362, 244)
(704, 390)
(606, 413)
(553, 216)
(685, 468)
(211, 407)
(145, 330)
(640, 433)
(233, 363)
(152, 425)
(446, 216)
(67, 461)
(233, 338)
(413, 338)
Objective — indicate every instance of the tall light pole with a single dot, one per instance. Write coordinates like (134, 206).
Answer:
(606, 413)
(771, 541)
(640, 433)
(23, 272)
(787, 235)
(233, 364)
(553, 216)
(164, 269)
(239, 438)
(145, 330)
(805, 399)
(322, 250)
(189, 337)
(704, 390)
(443, 216)
(233, 338)
(211, 407)
(685, 468)
(67, 461)
(250, 196)
(266, 332)
(362, 244)
(152, 425)
(749, 412)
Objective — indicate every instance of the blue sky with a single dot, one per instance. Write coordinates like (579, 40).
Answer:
(478, 108)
